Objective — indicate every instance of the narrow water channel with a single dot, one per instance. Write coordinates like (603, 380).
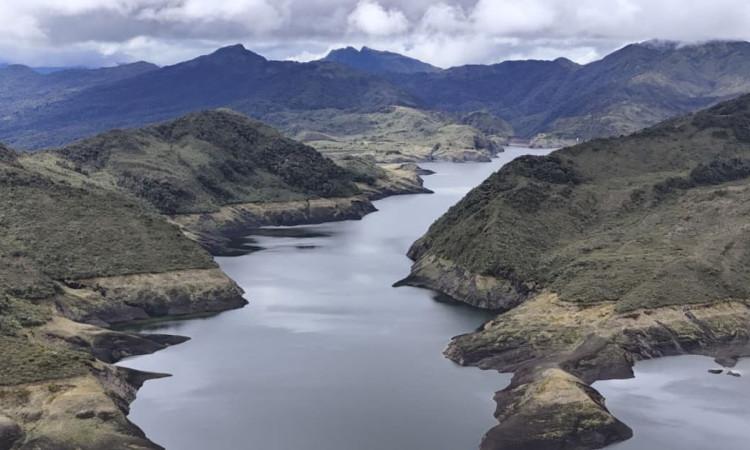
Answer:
(327, 355)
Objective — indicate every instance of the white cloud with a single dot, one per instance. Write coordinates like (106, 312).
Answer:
(306, 56)
(444, 18)
(372, 18)
(257, 15)
(443, 32)
(506, 17)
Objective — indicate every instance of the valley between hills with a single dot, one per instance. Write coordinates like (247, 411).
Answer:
(629, 245)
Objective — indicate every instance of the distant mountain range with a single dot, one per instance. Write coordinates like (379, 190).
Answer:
(559, 101)
(231, 76)
(634, 87)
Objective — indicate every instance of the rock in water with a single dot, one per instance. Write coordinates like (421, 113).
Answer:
(715, 371)
(552, 409)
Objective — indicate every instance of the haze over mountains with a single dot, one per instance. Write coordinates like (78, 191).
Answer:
(558, 100)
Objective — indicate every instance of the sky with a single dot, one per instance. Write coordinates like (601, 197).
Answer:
(445, 33)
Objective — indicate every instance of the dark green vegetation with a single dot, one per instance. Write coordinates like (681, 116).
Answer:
(599, 255)
(634, 87)
(94, 210)
(378, 62)
(657, 218)
(85, 239)
(203, 161)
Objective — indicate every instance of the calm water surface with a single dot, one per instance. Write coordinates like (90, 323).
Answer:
(675, 404)
(327, 355)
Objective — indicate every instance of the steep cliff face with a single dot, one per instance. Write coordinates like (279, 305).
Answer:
(602, 254)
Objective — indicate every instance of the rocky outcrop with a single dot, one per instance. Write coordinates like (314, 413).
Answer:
(110, 301)
(396, 179)
(88, 412)
(105, 344)
(392, 135)
(557, 349)
(599, 255)
(550, 409)
(480, 291)
(214, 231)
(86, 407)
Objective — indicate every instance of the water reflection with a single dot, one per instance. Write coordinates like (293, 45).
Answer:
(328, 355)
(676, 404)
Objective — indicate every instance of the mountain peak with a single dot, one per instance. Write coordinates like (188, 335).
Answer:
(659, 44)
(565, 62)
(234, 48)
(378, 61)
(237, 51)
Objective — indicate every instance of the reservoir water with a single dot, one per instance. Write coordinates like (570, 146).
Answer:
(676, 404)
(327, 355)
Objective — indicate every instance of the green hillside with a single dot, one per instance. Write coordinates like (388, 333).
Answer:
(201, 162)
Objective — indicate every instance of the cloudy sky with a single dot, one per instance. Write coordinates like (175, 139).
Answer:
(445, 33)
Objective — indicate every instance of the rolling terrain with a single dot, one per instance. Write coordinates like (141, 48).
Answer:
(73, 259)
(399, 134)
(103, 232)
(218, 174)
(599, 255)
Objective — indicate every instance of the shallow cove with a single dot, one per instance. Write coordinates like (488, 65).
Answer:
(674, 403)
(327, 355)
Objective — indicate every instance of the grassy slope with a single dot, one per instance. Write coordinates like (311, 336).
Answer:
(653, 219)
(199, 163)
(395, 133)
(53, 231)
